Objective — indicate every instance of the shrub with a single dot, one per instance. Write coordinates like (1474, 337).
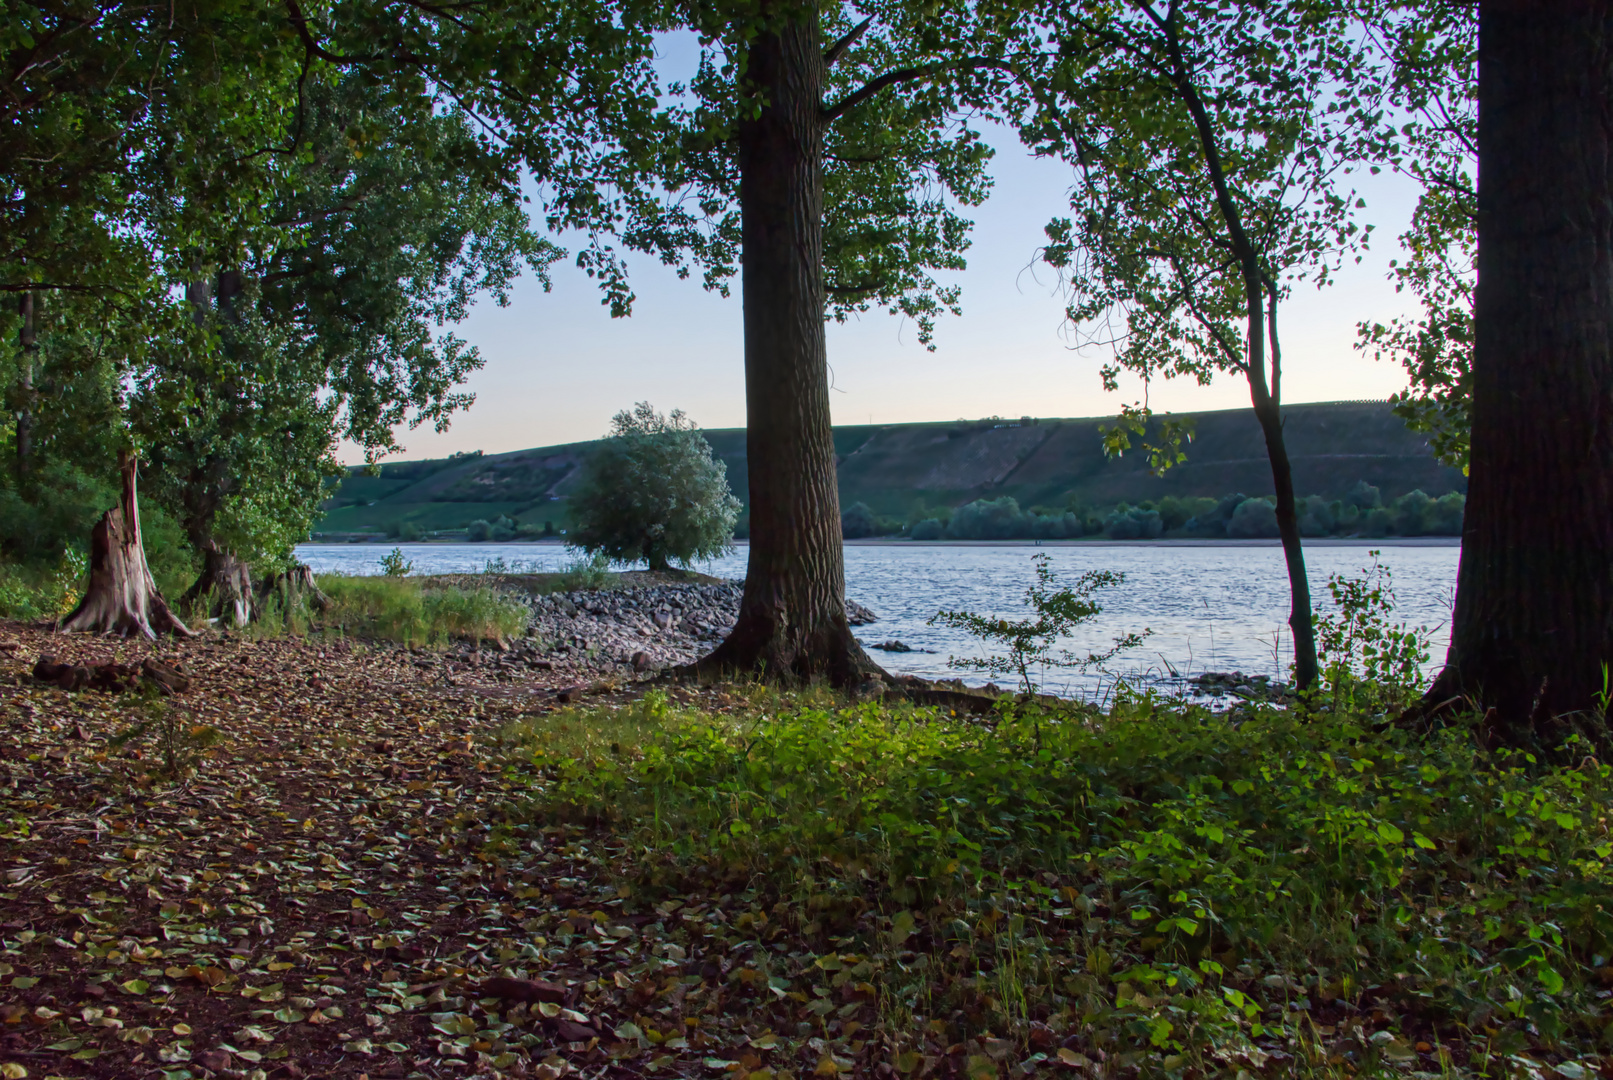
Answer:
(652, 491)
(1213, 522)
(1175, 513)
(1253, 518)
(858, 522)
(1029, 642)
(40, 590)
(1133, 523)
(1364, 497)
(479, 531)
(393, 564)
(929, 529)
(995, 519)
(1448, 513)
(1414, 512)
(1316, 517)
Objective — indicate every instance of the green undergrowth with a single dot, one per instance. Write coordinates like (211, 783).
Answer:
(1151, 890)
(416, 612)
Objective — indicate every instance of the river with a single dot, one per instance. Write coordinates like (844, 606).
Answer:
(1209, 606)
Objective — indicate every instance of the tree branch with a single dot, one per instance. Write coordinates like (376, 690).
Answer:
(838, 49)
(830, 113)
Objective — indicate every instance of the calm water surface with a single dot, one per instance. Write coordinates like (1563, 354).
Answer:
(1210, 608)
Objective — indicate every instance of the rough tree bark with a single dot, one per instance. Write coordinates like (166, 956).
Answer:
(792, 617)
(225, 582)
(295, 588)
(122, 597)
(1533, 623)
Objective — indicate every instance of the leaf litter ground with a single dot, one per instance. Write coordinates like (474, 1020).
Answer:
(315, 898)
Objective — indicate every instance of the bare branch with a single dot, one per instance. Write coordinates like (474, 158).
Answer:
(839, 48)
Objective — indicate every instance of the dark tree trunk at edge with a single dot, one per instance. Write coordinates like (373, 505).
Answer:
(792, 617)
(1533, 624)
(122, 597)
(225, 582)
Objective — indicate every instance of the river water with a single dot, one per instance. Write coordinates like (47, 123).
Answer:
(1209, 606)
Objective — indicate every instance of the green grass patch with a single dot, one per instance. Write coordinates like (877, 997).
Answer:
(416, 612)
(1169, 891)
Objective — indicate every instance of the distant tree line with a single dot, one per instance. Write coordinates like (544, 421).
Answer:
(1361, 512)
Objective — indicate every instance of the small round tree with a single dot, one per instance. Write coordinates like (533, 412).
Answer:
(653, 491)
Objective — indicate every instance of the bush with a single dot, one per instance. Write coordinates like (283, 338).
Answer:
(41, 590)
(1448, 513)
(1364, 497)
(407, 531)
(929, 529)
(858, 522)
(1133, 523)
(1316, 517)
(652, 491)
(997, 519)
(1175, 513)
(479, 531)
(1253, 518)
(1213, 522)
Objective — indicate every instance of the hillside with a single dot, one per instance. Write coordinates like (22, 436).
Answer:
(1053, 462)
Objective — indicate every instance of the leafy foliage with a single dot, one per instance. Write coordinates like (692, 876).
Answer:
(653, 491)
(1030, 642)
(393, 564)
(1167, 884)
(1368, 663)
(1432, 53)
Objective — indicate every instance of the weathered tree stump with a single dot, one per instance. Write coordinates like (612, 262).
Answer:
(295, 588)
(225, 584)
(122, 597)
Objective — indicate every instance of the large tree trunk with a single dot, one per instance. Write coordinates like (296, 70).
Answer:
(792, 616)
(225, 582)
(122, 597)
(1533, 622)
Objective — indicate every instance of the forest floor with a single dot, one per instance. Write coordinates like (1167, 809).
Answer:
(331, 859)
(306, 900)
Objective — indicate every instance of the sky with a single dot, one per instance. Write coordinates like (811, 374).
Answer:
(558, 367)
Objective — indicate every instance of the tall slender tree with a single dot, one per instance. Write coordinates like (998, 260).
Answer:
(1207, 143)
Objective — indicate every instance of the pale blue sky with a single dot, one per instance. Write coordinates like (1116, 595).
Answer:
(558, 367)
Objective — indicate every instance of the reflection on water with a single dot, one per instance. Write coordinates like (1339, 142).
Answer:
(1210, 608)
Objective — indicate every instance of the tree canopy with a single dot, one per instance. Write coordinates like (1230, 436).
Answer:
(652, 491)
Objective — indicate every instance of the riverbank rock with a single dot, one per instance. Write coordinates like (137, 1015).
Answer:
(644, 628)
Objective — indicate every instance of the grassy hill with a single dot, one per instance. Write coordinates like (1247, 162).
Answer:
(1040, 462)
